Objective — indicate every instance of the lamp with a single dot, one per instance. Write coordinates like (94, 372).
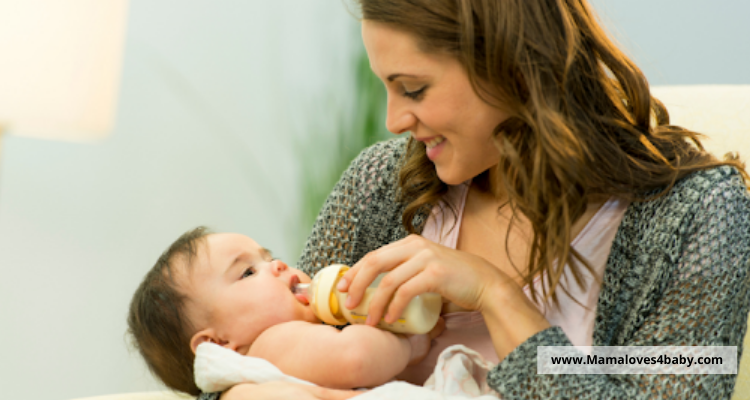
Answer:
(60, 66)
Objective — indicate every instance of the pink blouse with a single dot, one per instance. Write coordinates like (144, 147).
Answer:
(576, 320)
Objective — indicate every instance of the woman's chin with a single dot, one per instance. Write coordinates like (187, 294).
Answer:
(449, 178)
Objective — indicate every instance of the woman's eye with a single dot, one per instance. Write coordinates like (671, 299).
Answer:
(248, 272)
(416, 94)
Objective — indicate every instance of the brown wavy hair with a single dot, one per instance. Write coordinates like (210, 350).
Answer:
(156, 321)
(583, 122)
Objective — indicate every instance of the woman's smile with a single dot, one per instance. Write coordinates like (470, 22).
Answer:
(434, 147)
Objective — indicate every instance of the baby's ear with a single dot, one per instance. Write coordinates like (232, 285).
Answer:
(206, 335)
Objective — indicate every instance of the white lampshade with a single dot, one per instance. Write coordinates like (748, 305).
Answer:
(60, 64)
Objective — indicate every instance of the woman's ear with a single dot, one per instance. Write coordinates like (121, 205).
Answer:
(206, 335)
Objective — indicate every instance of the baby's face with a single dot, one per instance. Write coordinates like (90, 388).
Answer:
(237, 289)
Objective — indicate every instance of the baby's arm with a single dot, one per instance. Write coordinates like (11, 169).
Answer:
(357, 356)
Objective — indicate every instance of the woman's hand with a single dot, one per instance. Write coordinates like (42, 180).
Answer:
(285, 390)
(418, 266)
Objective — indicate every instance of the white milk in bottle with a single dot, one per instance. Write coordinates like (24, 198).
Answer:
(419, 316)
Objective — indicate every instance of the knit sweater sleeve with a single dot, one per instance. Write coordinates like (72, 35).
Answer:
(686, 284)
(361, 213)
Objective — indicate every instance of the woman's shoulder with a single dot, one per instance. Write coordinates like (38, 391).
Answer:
(702, 198)
(718, 179)
(377, 166)
(385, 154)
(361, 213)
(372, 177)
(715, 184)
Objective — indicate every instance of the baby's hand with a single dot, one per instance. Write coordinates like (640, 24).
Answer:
(421, 344)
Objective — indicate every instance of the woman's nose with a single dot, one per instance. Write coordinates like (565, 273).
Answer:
(399, 117)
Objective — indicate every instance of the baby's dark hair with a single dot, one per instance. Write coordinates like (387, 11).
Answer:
(157, 322)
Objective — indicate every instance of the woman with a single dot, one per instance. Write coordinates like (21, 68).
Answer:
(539, 140)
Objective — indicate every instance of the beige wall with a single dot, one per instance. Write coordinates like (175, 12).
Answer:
(213, 96)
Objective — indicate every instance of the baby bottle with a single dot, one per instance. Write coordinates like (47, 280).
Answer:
(419, 316)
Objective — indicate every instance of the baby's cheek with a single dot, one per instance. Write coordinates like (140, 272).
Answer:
(285, 309)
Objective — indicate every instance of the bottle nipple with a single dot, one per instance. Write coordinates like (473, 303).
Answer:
(302, 292)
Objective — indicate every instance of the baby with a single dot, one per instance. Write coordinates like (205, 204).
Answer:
(226, 289)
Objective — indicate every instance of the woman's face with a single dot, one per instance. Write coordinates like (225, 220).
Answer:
(430, 96)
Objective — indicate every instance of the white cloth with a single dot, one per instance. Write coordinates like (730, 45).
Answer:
(460, 373)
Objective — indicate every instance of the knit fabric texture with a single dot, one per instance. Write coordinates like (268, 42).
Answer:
(677, 275)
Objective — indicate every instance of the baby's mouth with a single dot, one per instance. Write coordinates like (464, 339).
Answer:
(299, 290)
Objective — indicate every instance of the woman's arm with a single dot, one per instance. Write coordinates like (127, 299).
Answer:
(418, 265)
(357, 356)
(361, 213)
(685, 283)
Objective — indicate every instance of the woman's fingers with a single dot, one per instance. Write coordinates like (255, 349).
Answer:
(364, 272)
(389, 286)
(418, 266)
(412, 279)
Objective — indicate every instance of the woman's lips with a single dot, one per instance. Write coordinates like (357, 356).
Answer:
(434, 151)
(433, 141)
(433, 145)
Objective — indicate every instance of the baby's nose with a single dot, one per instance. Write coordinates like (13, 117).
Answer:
(279, 266)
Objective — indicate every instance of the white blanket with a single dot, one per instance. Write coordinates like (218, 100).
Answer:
(460, 373)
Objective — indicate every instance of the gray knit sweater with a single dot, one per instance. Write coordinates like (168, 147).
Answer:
(677, 275)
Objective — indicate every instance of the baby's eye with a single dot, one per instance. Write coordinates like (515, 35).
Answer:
(248, 272)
